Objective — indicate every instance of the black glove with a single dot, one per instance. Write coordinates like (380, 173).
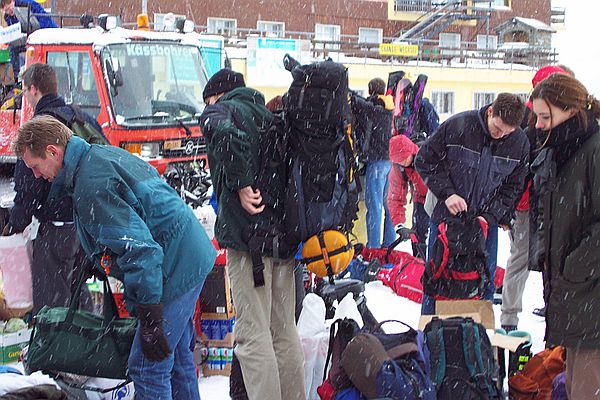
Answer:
(154, 343)
(403, 232)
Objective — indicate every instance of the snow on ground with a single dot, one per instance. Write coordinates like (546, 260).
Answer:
(385, 304)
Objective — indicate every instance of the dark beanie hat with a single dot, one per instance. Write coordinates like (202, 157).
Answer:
(223, 81)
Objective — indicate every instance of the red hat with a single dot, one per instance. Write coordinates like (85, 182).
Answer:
(401, 147)
(545, 72)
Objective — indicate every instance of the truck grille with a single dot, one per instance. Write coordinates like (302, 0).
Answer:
(187, 148)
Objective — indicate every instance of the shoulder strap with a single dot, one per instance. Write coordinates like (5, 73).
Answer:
(330, 347)
(437, 351)
(472, 343)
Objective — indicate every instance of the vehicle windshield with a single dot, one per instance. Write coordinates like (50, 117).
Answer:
(154, 83)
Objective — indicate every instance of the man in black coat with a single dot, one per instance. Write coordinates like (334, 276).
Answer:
(56, 250)
(476, 163)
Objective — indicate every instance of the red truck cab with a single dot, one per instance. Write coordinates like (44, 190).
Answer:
(144, 88)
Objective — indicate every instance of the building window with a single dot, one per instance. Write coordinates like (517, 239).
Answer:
(413, 5)
(501, 3)
(329, 33)
(370, 35)
(443, 102)
(489, 42)
(222, 26)
(450, 40)
(271, 28)
(523, 96)
(481, 99)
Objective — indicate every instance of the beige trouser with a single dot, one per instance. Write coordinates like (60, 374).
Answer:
(267, 342)
(583, 374)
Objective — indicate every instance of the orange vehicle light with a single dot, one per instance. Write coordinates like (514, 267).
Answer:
(133, 148)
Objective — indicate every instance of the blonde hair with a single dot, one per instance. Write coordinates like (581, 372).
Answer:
(40, 132)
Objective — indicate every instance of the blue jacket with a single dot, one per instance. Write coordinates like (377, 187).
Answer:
(124, 211)
(36, 8)
(462, 158)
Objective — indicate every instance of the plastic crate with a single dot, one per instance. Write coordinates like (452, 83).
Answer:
(4, 56)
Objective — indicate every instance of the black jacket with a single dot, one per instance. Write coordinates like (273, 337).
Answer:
(462, 158)
(32, 193)
(372, 127)
(566, 186)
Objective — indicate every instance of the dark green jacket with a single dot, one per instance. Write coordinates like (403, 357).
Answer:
(232, 127)
(570, 205)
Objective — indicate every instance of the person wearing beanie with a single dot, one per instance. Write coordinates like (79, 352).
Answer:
(476, 164)
(373, 129)
(403, 178)
(267, 342)
(223, 81)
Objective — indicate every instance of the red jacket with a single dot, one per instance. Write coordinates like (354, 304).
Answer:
(401, 147)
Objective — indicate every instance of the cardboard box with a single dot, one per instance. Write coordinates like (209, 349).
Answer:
(215, 298)
(8, 313)
(480, 310)
(226, 371)
(228, 341)
(11, 345)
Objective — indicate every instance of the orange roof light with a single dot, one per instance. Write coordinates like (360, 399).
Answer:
(143, 22)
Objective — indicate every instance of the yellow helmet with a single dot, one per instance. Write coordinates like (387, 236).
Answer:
(327, 253)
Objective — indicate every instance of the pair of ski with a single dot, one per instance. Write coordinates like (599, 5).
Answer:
(407, 101)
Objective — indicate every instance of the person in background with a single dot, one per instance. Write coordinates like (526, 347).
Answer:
(373, 130)
(566, 189)
(267, 342)
(57, 254)
(518, 265)
(16, 11)
(476, 162)
(404, 178)
(130, 221)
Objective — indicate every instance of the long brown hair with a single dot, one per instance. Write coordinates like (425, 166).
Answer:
(565, 92)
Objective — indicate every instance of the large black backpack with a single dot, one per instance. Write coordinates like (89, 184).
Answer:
(461, 360)
(308, 148)
(322, 193)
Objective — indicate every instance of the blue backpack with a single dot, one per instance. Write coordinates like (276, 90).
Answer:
(400, 360)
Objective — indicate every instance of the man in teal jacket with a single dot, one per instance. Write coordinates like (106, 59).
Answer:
(145, 235)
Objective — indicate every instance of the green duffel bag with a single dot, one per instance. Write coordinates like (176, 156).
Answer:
(65, 339)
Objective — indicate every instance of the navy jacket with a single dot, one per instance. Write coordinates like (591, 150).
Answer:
(36, 8)
(32, 194)
(462, 158)
(372, 127)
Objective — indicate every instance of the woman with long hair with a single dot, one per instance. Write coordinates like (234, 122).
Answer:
(566, 184)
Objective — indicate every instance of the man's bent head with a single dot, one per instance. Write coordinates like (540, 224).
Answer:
(41, 143)
(505, 115)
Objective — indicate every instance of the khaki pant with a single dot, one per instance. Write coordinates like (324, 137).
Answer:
(516, 270)
(267, 342)
(583, 374)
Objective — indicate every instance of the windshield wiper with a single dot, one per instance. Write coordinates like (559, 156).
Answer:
(187, 130)
(160, 115)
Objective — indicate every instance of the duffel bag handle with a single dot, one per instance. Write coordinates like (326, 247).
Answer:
(109, 307)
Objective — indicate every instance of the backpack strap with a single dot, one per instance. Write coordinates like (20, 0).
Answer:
(438, 270)
(437, 350)
(472, 343)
